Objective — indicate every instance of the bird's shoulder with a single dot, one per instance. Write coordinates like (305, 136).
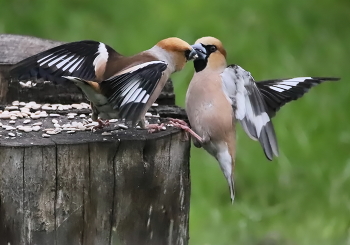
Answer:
(128, 63)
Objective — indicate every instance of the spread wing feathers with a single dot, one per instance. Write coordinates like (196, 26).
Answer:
(78, 59)
(129, 92)
(278, 92)
(250, 108)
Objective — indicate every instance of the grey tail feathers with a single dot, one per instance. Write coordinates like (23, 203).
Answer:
(75, 79)
(231, 185)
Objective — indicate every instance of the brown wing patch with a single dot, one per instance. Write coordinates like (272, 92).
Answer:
(94, 85)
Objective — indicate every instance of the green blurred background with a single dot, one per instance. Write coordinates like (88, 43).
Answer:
(303, 196)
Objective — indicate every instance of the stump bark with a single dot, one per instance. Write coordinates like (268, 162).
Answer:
(129, 187)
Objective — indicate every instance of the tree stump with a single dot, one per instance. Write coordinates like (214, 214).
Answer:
(113, 186)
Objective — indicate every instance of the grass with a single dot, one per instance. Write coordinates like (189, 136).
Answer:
(300, 198)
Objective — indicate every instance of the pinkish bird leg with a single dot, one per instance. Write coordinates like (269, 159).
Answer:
(187, 129)
(152, 128)
(179, 121)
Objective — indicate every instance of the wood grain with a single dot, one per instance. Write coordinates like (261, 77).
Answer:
(100, 192)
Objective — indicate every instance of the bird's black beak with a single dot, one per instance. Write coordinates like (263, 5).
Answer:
(201, 51)
(191, 55)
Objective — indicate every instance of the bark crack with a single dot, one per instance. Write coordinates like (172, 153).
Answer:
(23, 194)
(114, 190)
(56, 191)
(89, 193)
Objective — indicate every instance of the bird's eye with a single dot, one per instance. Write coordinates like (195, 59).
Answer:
(212, 48)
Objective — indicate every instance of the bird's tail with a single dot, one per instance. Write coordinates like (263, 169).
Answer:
(226, 157)
(76, 80)
(85, 85)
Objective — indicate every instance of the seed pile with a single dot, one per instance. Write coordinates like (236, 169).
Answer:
(21, 117)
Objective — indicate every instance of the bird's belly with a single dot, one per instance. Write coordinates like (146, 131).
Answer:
(209, 119)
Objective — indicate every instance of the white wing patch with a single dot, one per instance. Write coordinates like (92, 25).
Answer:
(44, 62)
(128, 98)
(71, 63)
(102, 56)
(63, 62)
(288, 84)
(276, 89)
(145, 99)
(261, 121)
(130, 86)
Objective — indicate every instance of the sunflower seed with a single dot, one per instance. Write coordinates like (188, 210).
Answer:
(52, 132)
(11, 108)
(106, 133)
(36, 128)
(122, 126)
(5, 116)
(33, 116)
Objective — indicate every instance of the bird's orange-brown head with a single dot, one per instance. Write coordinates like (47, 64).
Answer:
(211, 54)
(180, 51)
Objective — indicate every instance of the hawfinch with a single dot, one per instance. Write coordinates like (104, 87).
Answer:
(117, 86)
(218, 95)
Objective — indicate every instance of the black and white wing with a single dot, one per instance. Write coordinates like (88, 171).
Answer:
(77, 59)
(129, 92)
(278, 92)
(250, 108)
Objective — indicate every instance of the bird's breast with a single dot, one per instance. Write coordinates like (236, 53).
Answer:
(208, 109)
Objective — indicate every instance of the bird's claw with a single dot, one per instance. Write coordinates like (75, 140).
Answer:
(179, 121)
(184, 126)
(152, 128)
(101, 124)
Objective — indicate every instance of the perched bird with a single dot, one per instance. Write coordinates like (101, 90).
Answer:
(117, 86)
(218, 95)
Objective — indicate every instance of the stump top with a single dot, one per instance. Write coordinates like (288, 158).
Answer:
(80, 137)
(56, 124)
